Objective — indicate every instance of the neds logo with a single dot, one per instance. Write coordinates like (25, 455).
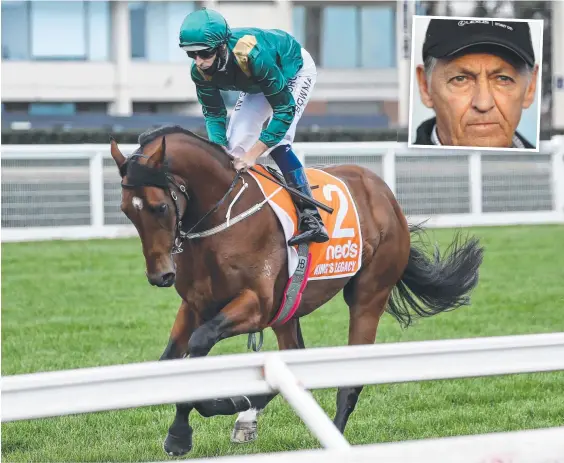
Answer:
(338, 252)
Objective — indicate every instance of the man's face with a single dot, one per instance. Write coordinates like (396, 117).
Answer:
(204, 64)
(478, 99)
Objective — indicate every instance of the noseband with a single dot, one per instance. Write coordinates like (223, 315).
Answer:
(141, 175)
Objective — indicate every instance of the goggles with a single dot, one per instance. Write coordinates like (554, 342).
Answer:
(204, 54)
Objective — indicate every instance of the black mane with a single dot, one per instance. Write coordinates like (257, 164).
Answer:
(152, 134)
(149, 135)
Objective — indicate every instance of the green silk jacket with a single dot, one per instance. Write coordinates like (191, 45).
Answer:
(259, 61)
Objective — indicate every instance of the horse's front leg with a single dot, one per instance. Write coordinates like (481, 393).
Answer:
(241, 315)
(245, 430)
(179, 438)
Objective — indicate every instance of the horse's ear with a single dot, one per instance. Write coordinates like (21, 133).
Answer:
(116, 153)
(156, 159)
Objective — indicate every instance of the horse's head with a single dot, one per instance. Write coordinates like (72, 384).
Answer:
(146, 201)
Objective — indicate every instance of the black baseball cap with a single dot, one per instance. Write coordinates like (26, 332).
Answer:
(447, 37)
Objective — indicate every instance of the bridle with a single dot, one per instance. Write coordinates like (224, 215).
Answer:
(181, 235)
(143, 175)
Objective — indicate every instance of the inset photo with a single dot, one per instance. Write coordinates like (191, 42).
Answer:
(475, 82)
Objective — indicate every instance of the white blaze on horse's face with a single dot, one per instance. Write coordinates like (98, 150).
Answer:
(137, 203)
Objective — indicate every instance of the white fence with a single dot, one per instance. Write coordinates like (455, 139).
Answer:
(536, 446)
(72, 191)
(291, 373)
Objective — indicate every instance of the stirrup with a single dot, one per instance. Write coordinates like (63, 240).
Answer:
(309, 236)
(314, 234)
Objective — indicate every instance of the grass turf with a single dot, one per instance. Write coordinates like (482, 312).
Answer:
(80, 304)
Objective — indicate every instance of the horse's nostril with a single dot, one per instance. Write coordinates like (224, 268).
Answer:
(168, 279)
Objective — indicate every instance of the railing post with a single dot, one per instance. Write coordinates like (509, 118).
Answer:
(475, 179)
(389, 169)
(96, 170)
(279, 377)
(558, 173)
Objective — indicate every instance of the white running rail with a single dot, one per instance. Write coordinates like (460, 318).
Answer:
(73, 191)
(291, 373)
(114, 387)
(534, 446)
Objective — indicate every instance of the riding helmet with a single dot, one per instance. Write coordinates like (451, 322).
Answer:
(203, 29)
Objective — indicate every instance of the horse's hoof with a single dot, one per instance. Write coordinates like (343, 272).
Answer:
(244, 431)
(176, 446)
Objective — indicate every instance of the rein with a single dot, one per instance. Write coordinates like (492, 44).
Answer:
(161, 178)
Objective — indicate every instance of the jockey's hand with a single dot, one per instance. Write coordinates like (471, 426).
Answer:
(250, 157)
(243, 163)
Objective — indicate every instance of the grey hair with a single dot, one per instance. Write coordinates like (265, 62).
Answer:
(525, 70)
(429, 67)
(431, 62)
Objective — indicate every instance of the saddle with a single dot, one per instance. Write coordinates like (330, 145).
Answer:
(279, 177)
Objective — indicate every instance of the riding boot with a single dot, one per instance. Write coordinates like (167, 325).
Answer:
(310, 225)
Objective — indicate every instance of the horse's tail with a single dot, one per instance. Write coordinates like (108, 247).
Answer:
(430, 286)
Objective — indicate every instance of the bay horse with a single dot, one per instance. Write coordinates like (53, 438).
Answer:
(232, 282)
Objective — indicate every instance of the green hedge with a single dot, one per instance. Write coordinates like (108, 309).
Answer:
(45, 137)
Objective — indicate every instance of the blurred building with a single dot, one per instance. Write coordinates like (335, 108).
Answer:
(72, 57)
(65, 58)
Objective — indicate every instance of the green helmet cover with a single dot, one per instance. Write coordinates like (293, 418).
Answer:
(203, 29)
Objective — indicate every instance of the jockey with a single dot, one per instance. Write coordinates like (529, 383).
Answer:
(275, 76)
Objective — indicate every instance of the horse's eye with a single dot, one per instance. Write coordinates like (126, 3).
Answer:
(162, 208)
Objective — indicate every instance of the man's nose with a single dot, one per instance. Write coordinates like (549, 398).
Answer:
(199, 60)
(483, 99)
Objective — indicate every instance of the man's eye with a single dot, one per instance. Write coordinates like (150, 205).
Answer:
(505, 79)
(459, 79)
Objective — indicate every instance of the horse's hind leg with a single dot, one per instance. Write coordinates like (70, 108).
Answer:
(245, 430)
(367, 295)
(365, 313)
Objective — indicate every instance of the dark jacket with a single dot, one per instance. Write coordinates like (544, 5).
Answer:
(423, 134)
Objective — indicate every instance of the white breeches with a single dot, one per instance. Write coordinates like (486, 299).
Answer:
(252, 110)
